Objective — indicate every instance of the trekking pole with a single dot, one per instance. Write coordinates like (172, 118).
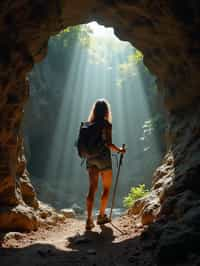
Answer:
(116, 182)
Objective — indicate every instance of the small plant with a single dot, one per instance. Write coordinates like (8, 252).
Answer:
(134, 194)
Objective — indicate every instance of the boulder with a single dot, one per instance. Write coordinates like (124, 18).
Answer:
(48, 215)
(45, 210)
(68, 213)
(137, 206)
(18, 218)
(28, 192)
(147, 208)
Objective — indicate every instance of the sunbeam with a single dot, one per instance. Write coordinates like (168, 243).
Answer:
(93, 65)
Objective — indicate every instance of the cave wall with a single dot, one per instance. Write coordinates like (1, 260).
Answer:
(165, 31)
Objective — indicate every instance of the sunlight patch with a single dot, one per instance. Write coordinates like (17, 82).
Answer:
(100, 31)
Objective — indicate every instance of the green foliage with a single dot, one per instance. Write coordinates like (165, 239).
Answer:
(132, 67)
(67, 37)
(134, 194)
(136, 57)
(128, 68)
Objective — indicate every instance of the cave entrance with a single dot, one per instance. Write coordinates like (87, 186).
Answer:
(84, 63)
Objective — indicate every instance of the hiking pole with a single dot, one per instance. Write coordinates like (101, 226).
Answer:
(116, 182)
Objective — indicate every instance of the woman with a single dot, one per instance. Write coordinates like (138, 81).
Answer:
(101, 164)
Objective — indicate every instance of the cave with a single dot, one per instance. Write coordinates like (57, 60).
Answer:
(167, 33)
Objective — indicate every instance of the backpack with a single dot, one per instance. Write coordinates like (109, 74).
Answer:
(90, 141)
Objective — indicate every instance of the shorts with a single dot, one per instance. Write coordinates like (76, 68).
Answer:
(101, 162)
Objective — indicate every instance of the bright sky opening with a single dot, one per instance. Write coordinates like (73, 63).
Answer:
(100, 31)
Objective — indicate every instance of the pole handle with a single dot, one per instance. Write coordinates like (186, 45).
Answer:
(122, 155)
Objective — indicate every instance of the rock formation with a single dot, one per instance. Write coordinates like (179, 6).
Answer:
(167, 32)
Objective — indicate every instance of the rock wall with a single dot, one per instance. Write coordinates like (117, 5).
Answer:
(172, 210)
(167, 32)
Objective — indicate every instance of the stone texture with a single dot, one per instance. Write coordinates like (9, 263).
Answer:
(44, 210)
(147, 208)
(28, 192)
(68, 213)
(20, 218)
(167, 32)
(176, 184)
(48, 215)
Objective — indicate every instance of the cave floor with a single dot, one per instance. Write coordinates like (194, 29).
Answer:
(69, 244)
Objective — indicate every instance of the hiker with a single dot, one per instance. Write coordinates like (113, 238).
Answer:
(101, 164)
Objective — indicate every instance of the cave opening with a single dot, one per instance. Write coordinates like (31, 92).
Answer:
(167, 32)
(83, 63)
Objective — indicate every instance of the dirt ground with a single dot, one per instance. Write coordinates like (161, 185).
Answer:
(69, 244)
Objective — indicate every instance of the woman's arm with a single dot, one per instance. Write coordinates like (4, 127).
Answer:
(115, 148)
(109, 143)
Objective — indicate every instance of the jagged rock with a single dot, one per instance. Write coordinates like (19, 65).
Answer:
(174, 244)
(20, 218)
(54, 219)
(61, 217)
(137, 206)
(28, 192)
(45, 210)
(147, 208)
(48, 215)
(149, 214)
(68, 213)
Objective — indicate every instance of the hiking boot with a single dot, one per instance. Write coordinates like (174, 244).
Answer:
(89, 224)
(103, 219)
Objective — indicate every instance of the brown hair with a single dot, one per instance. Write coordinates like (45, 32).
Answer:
(100, 111)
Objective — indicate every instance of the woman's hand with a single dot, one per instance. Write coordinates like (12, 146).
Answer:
(122, 150)
(115, 148)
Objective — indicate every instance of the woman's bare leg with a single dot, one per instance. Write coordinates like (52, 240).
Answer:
(107, 182)
(93, 183)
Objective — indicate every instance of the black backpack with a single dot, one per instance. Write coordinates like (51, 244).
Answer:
(90, 141)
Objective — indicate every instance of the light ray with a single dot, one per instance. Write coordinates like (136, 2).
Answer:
(85, 82)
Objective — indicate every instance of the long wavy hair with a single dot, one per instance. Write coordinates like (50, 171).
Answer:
(100, 111)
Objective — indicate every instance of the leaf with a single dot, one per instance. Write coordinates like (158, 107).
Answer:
(134, 194)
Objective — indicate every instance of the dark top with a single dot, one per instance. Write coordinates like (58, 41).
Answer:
(107, 132)
(103, 160)
(106, 135)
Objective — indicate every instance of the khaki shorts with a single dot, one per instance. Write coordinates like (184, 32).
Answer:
(101, 162)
